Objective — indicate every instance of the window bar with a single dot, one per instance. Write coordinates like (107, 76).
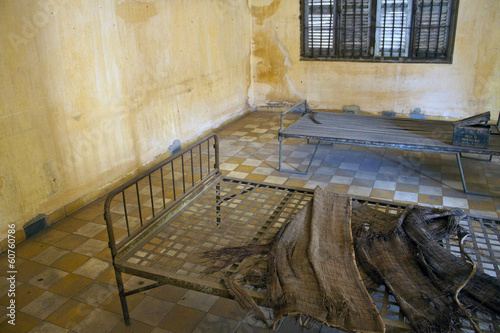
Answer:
(163, 188)
(436, 50)
(403, 30)
(173, 178)
(420, 27)
(311, 25)
(125, 211)
(330, 28)
(138, 201)
(151, 194)
(201, 165)
(383, 28)
(344, 26)
(353, 28)
(393, 27)
(451, 11)
(303, 21)
(429, 32)
(192, 168)
(321, 28)
(183, 175)
(362, 30)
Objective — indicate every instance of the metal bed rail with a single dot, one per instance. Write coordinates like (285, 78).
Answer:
(301, 106)
(135, 205)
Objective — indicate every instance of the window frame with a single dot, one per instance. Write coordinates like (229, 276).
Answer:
(372, 42)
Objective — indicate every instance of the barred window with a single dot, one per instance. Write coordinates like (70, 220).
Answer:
(379, 30)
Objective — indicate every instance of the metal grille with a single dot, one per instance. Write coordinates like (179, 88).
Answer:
(393, 28)
(230, 213)
(432, 25)
(377, 30)
(134, 206)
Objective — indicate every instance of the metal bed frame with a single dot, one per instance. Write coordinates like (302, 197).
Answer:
(381, 132)
(162, 220)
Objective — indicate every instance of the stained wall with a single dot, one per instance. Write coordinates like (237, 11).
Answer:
(93, 91)
(468, 86)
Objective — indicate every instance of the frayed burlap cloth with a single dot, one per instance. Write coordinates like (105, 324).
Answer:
(313, 270)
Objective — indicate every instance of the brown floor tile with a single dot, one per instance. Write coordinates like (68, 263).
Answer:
(407, 187)
(70, 314)
(103, 235)
(430, 199)
(68, 224)
(100, 218)
(50, 236)
(482, 204)
(28, 269)
(256, 177)
(29, 248)
(244, 168)
(214, 323)
(71, 242)
(98, 321)
(70, 285)
(134, 327)
(228, 308)
(95, 293)
(108, 276)
(382, 194)
(70, 262)
(337, 188)
(296, 182)
(87, 213)
(23, 324)
(44, 305)
(45, 326)
(113, 304)
(48, 277)
(181, 319)
(235, 160)
(151, 310)
(105, 255)
(168, 293)
(49, 255)
(25, 293)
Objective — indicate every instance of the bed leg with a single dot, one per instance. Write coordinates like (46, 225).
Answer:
(280, 139)
(466, 191)
(123, 300)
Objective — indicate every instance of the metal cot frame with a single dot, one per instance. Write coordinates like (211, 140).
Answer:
(380, 132)
(161, 221)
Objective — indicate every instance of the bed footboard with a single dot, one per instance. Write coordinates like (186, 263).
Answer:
(134, 206)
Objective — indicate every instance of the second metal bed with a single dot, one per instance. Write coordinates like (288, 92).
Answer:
(381, 132)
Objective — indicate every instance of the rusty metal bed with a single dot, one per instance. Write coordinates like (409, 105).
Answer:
(381, 132)
(162, 220)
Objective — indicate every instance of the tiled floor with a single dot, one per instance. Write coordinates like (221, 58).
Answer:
(65, 281)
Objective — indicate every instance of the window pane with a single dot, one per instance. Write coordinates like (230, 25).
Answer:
(320, 27)
(354, 32)
(393, 28)
(432, 24)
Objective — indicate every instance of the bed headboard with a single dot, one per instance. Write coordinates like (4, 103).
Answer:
(135, 205)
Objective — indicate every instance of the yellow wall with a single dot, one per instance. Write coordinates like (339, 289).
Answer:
(93, 90)
(468, 86)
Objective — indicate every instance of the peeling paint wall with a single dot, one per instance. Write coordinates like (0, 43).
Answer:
(468, 86)
(93, 90)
